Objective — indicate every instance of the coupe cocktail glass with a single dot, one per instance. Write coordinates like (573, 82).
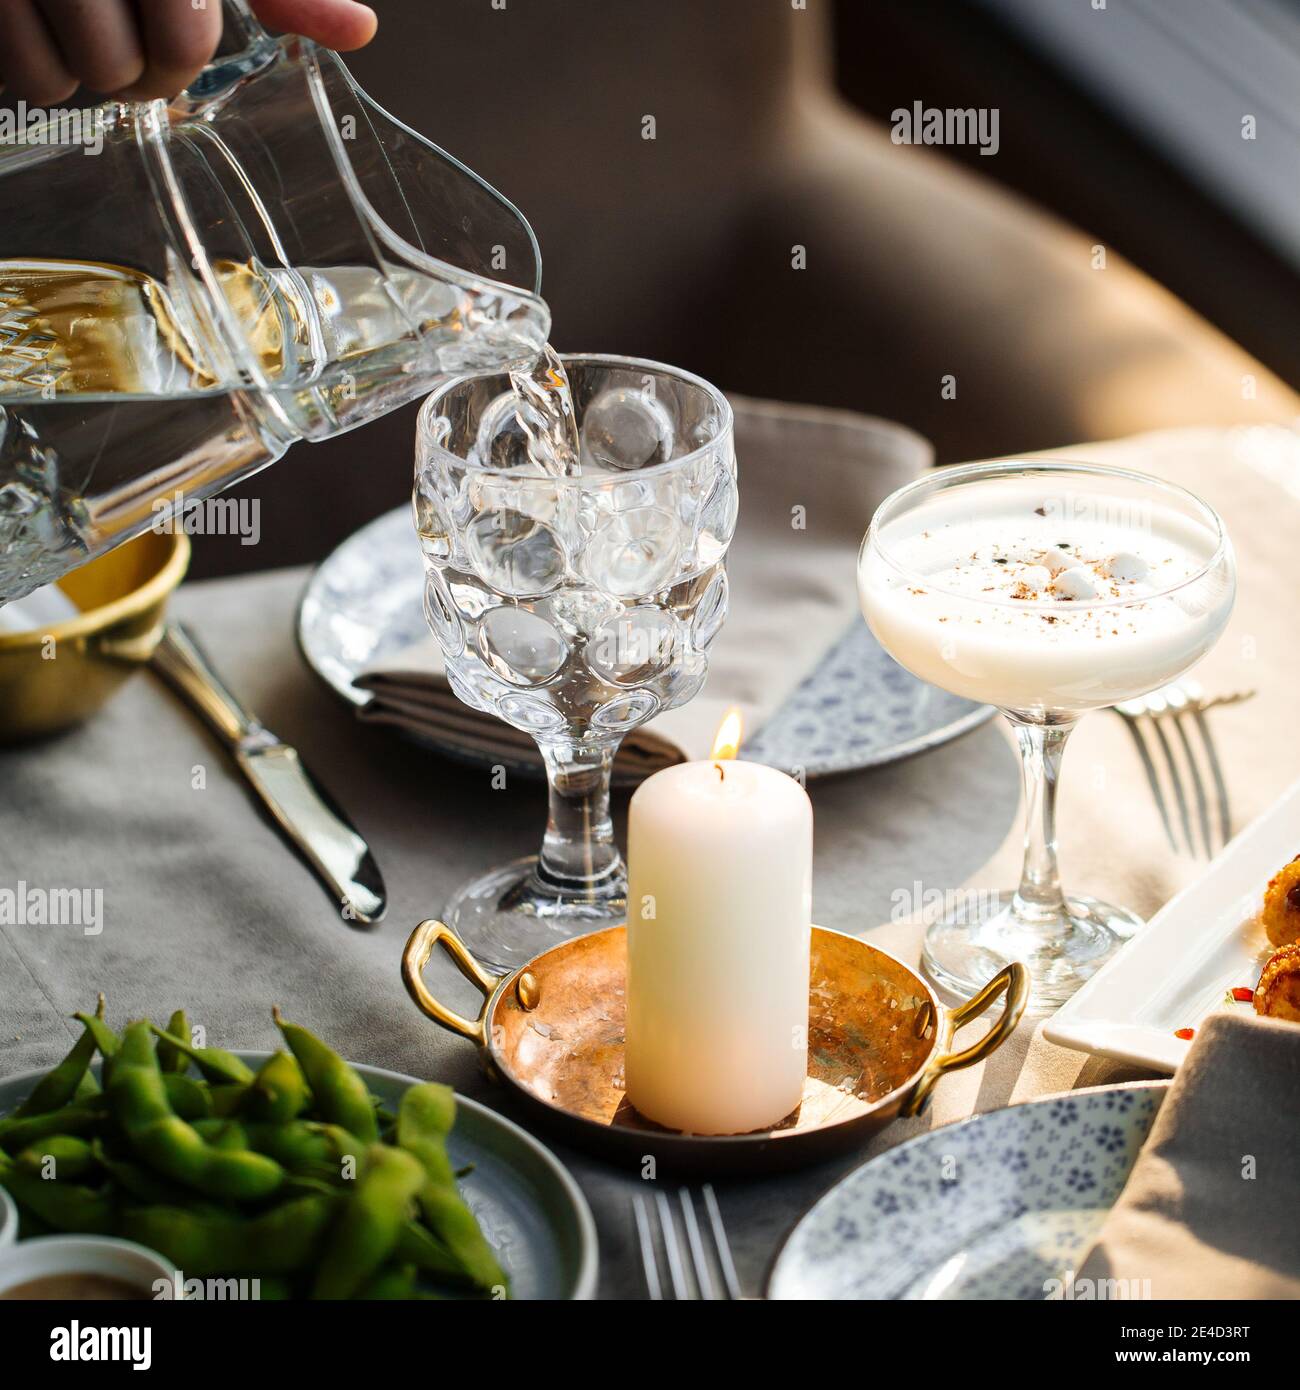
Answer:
(574, 606)
(1048, 589)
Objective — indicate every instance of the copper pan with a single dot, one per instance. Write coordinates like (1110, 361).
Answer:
(552, 1033)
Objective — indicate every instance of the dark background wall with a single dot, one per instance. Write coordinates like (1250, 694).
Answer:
(1065, 149)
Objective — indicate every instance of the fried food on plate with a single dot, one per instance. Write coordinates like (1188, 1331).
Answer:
(1278, 993)
(1281, 915)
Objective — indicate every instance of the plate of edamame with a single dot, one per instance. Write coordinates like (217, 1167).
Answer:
(319, 1178)
(529, 1207)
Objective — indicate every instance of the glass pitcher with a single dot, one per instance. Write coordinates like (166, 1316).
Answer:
(189, 287)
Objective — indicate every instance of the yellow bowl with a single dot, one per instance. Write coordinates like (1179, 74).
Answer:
(53, 677)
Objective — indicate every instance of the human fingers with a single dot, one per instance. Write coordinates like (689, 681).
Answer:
(179, 41)
(98, 40)
(339, 24)
(31, 66)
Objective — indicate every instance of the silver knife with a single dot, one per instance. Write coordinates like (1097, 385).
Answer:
(308, 817)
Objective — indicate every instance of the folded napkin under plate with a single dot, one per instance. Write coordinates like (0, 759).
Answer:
(1210, 1208)
(810, 479)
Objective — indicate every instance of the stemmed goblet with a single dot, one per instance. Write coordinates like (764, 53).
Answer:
(1046, 588)
(574, 605)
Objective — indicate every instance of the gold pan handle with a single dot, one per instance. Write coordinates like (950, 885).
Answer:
(415, 957)
(1013, 981)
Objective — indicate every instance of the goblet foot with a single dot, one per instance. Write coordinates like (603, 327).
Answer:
(964, 951)
(514, 912)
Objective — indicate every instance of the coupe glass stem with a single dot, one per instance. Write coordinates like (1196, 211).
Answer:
(1039, 901)
(579, 854)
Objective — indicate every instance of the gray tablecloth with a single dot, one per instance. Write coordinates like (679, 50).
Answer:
(204, 906)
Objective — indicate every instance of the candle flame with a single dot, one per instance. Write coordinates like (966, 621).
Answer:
(727, 742)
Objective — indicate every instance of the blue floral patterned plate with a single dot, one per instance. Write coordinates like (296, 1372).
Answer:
(1000, 1206)
(364, 606)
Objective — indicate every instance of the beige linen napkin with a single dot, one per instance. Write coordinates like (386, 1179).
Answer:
(810, 479)
(1212, 1207)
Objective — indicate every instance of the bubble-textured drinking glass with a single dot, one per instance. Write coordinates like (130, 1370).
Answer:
(574, 607)
(1047, 588)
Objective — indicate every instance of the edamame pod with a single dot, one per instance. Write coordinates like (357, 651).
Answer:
(216, 1064)
(222, 1134)
(427, 1110)
(447, 1216)
(86, 1087)
(347, 1149)
(138, 1100)
(280, 1241)
(170, 1057)
(228, 1098)
(63, 1206)
(340, 1094)
(393, 1284)
(278, 1093)
(60, 1158)
(415, 1245)
(82, 1118)
(308, 1146)
(189, 1098)
(371, 1222)
(295, 1146)
(59, 1086)
(139, 1182)
(424, 1119)
(301, 1184)
(106, 1041)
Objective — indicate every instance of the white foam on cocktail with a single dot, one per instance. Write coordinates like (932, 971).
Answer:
(1032, 603)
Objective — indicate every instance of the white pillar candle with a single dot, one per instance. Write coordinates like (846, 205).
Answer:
(718, 935)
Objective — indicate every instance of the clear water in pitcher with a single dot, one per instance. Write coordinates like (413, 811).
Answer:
(116, 390)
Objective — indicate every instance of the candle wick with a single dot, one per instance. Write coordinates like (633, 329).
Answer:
(722, 776)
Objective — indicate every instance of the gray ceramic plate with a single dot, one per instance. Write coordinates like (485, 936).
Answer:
(527, 1204)
(994, 1207)
(364, 605)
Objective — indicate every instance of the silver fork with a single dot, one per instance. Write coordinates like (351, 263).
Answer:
(690, 1272)
(1179, 707)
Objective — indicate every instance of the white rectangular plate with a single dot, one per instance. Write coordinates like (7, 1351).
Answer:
(1178, 969)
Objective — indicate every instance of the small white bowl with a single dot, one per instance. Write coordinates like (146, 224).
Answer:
(8, 1220)
(48, 1256)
